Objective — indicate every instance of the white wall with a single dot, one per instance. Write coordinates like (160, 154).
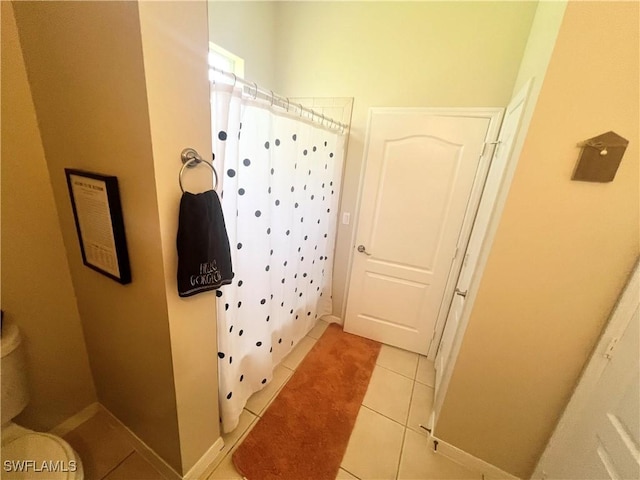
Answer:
(427, 54)
(247, 29)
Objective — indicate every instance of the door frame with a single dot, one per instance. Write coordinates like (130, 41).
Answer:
(626, 306)
(524, 96)
(494, 115)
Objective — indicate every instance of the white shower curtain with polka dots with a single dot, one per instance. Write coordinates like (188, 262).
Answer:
(279, 182)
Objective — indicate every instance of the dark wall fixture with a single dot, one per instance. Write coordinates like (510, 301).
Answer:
(600, 158)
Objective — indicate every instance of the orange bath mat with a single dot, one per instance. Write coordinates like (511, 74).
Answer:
(305, 431)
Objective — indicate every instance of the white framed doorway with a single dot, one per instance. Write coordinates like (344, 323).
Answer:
(423, 178)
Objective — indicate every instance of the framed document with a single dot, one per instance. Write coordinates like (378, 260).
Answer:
(95, 200)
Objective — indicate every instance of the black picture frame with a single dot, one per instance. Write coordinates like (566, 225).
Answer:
(97, 211)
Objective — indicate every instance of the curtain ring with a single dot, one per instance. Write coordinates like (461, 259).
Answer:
(322, 122)
(255, 93)
(287, 104)
(271, 97)
(235, 79)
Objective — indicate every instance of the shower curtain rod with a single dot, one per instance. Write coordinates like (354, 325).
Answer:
(258, 92)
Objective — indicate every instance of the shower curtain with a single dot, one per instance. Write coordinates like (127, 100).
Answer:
(279, 183)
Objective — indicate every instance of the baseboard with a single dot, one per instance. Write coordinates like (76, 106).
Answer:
(143, 449)
(76, 420)
(488, 471)
(200, 469)
(332, 319)
(197, 471)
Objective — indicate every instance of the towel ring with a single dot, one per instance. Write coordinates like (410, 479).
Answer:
(190, 159)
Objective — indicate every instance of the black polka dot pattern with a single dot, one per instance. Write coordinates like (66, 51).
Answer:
(282, 281)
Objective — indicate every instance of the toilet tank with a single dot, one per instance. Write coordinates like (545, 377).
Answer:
(13, 373)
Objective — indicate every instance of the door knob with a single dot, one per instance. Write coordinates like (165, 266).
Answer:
(361, 249)
(461, 293)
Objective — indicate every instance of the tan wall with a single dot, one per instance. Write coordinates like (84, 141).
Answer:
(562, 251)
(179, 111)
(247, 29)
(37, 294)
(402, 54)
(85, 67)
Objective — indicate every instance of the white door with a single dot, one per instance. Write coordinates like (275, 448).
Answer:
(598, 436)
(420, 170)
(501, 156)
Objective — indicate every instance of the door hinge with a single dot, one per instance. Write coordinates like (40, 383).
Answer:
(608, 353)
(484, 146)
(455, 254)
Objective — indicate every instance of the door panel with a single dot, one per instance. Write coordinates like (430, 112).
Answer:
(598, 436)
(420, 169)
(453, 321)
(418, 174)
(392, 300)
(501, 156)
(607, 440)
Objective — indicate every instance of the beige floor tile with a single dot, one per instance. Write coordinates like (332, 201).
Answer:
(426, 374)
(317, 331)
(389, 393)
(246, 422)
(421, 407)
(225, 471)
(374, 447)
(344, 475)
(135, 466)
(101, 444)
(420, 462)
(299, 352)
(398, 360)
(260, 400)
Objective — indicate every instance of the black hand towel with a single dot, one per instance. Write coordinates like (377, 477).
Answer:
(204, 257)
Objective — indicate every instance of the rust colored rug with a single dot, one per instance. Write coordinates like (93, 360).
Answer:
(303, 435)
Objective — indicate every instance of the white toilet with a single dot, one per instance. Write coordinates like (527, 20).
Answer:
(27, 454)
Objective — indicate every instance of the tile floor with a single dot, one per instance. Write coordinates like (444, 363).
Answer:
(106, 453)
(386, 443)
